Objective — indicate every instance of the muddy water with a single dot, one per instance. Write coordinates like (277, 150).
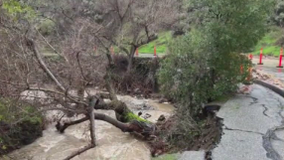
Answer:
(112, 143)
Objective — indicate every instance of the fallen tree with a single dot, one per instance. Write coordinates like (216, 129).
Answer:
(28, 69)
(125, 120)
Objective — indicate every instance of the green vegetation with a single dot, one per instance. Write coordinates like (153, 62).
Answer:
(18, 10)
(167, 157)
(18, 111)
(271, 43)
(131, 116)
(205, 64)
(199, 68)
(20, 124)
(273, 40)
(46, 27)
(223, 98)
(161, 44)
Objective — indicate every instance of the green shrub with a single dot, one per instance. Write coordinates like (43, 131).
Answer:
(191, 76)
(205, 63)
(20, 124)
(46, 27)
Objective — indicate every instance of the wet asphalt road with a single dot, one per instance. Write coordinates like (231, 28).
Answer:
(269, 66)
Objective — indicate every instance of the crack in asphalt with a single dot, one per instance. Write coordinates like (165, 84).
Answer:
(281, 110)
(270, 136)
(267, 145)
(233, 129)
(275, 137)
(254, 100)
(265, 110)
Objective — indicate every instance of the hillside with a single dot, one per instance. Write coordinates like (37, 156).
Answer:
(271, 43)
(160, 43)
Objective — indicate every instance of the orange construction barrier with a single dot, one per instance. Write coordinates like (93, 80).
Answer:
(280, 58)
(137, 54)
(155, 51)
(260, 57)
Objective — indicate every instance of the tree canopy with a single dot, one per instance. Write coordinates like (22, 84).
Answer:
(205, 63)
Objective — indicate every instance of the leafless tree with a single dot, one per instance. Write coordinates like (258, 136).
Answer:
(138, 22)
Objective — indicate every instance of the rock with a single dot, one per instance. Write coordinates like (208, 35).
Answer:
(162, 118)
(137, 91)
(32, 96)
(145, 107)
(162, 100)
(147, 116)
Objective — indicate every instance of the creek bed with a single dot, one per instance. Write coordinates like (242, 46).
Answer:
(112, 142)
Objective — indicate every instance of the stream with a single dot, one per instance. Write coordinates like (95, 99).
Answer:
(112, 143)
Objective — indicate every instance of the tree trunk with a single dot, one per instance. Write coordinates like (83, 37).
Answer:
(122, 112)
(130, 58)
(133, 126)
(109, 85)
(125, 120)
(92, 104)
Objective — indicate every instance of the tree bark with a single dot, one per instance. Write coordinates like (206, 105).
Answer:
(109, 86)
(130, 58)
(61, 128)
(93, 102)
(132, 126)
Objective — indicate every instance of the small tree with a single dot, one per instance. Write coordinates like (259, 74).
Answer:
(140, 22)
(206, 62)
(278, 16)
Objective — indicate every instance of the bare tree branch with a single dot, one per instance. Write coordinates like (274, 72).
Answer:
(34, 49)
(82, 150)
(61, 128)
(93, 102)
(54, 50)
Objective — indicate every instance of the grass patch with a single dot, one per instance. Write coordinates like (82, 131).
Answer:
(160, 43)
(268, 43)
(167, 157)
